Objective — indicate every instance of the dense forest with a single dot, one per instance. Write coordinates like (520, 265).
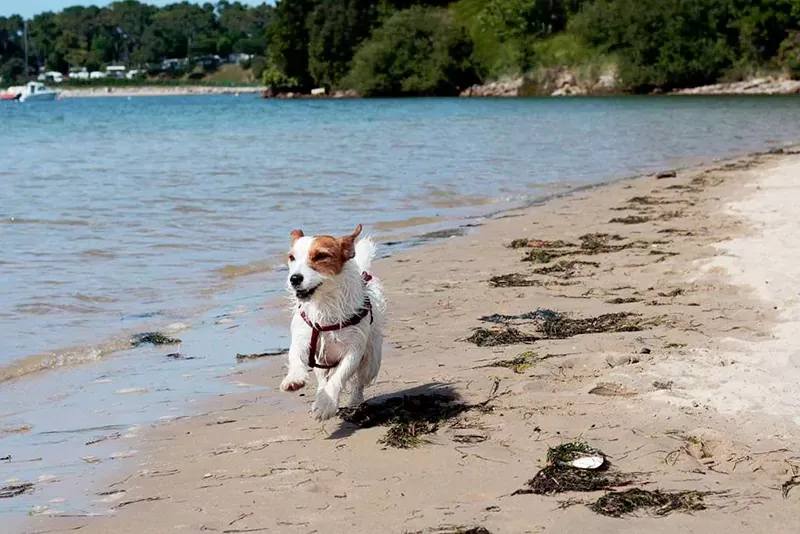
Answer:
(425, 47)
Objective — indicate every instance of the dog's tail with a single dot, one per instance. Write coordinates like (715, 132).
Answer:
(365, 253)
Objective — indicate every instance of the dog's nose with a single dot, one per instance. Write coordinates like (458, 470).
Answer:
(296, 279)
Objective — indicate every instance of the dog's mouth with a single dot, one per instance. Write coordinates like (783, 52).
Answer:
(305, 294)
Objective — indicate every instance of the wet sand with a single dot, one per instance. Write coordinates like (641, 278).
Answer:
(698, 392)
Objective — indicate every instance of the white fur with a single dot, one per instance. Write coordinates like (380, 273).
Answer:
(357, 348)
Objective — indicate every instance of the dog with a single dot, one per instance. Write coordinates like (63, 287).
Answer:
(337, 325)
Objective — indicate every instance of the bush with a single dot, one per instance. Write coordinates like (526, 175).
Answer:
(418, 51)
(663, 43)
(277, 81)
(789, 55)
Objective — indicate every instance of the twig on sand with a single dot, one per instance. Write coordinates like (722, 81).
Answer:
(135, 501)
(247, 514)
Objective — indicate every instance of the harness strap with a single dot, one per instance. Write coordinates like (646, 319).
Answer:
(352, 321)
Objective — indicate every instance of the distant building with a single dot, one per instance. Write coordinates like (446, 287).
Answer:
(51, 76)
(116, 71)
(239, 58)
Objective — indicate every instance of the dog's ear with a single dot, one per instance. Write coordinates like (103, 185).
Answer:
(296, 234)
(348, 244)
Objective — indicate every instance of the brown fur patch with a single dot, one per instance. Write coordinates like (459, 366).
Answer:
(326, 255)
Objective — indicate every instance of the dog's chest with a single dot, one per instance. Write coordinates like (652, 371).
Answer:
(331, 349)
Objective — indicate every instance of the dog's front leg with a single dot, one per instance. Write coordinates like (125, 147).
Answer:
(297, 375)
(327, 401)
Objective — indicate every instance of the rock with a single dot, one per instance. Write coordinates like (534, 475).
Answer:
(347, 93)
(666, 174)
(569, 90)
(508, 88)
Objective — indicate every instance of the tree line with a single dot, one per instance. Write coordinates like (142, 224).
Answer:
(426, 47)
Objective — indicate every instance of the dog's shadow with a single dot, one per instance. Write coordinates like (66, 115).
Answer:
(384, 409)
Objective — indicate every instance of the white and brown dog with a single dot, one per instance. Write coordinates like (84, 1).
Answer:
(337, 327)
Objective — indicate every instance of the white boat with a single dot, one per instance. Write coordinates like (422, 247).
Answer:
(36, 91)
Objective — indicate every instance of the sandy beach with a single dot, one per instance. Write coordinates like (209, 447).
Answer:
(691, 385)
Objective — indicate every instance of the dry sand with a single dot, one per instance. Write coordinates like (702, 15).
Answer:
(704, 397)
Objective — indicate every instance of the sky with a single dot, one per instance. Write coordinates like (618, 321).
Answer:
(29, 8)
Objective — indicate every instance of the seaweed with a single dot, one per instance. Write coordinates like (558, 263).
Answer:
(595, 242)
(661, 503)
(558, 476)
(565, 268)
(669, 215)
(622, 300)
(787, 486)
(13, 490)
(453, 529)
(649, 201)
(540, 255)
(513, 280)
(561, 326)
(494, 337)
(539, 243)
(673, 293)
(520, 364)
(276, 352)
(154, 338)
(630, 219)
(527, 316)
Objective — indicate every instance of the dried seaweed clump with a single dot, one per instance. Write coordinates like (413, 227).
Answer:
(494, 337)
(622, 300)
(661, 503)
(453, 529)
(538, 243)
(630, 219)
(12, 490)
(155, 338)
(408, 417)
(520, 364)
(513, 280)
(565, 268)
(543, 255)
(561, 326)
(558, 476)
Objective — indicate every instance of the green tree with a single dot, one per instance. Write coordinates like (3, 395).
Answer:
(336, 28)
(288, 40)
(418, 51)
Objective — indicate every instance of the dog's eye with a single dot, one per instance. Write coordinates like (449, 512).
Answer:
(291, 257)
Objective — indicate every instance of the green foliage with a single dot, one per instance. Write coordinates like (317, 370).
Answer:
(288, 39)
(336, 28)
(418, 51)
(789, 55)
(278, 81)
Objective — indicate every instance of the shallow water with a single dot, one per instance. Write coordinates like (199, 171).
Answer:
(118, 215)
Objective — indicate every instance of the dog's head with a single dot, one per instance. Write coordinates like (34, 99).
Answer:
(315, 260)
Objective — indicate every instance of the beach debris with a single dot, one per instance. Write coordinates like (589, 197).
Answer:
(540, 255)
(91, 459)
(266, 354)
(622, 300)
(6, 458)
(542, 314)
(494, 337)
(561, 326)
(520, 364)
(600, 242)
(674, 293)
(663, 384)
(412, 416)
(562, 475)
(130, 391)
(513, 280)
(565, 268)
(787, 486)
(13, 490)
(153, 338)
(611, 389)
(22, 429)
(618, 360)
(452, 529)
(650, 201)
(539, 243)
(180, 356)
(660, 503)
(630, 219)
(666, 174)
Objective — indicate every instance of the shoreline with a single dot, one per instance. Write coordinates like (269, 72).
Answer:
(154, 90)
(272, 448)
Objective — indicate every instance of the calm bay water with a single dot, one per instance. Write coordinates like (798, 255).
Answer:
(117, 211)
(118, 215)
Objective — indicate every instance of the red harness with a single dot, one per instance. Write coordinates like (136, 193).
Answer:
(352, 321)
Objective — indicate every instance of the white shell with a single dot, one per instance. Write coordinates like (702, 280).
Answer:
(588, 462)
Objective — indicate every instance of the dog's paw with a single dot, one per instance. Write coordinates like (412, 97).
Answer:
(324, 406)
(292, 383)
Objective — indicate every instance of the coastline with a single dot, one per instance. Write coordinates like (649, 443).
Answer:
(262, 446)
(154, 90)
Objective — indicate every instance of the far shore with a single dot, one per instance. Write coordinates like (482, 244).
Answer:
(500, 89)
